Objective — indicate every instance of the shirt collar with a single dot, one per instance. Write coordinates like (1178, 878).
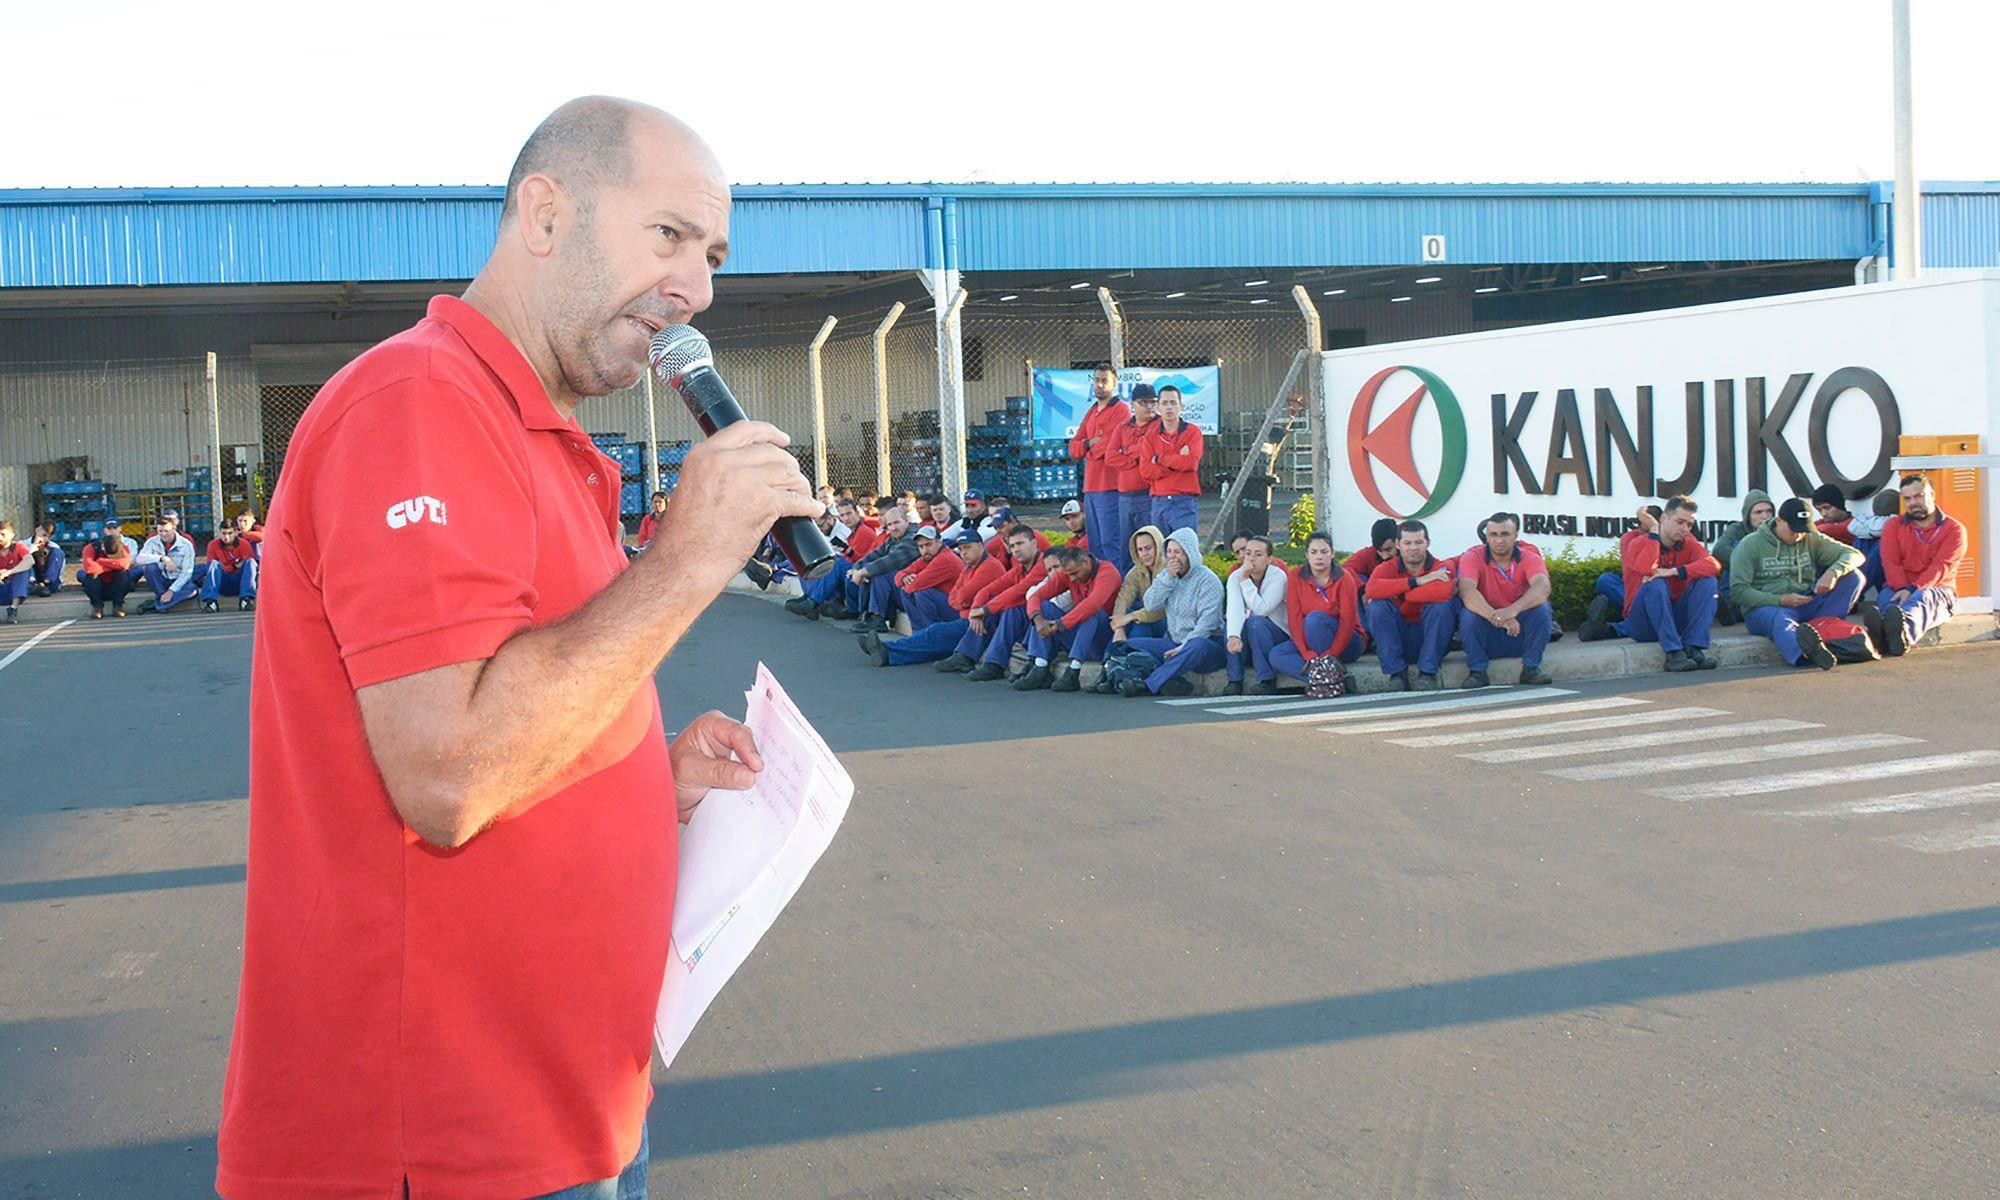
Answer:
(505, 360)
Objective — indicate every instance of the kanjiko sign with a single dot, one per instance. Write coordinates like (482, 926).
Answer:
(1575, 425)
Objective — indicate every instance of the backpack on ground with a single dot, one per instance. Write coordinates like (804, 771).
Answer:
(1849, 642)
(1326, 677)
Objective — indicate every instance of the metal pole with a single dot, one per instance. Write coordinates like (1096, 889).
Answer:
(1116, 320)
(214, 442)
(1322, 462)
(652, 440)
(882, 397)
(1908, 201)
(818, 375)
(951, 395)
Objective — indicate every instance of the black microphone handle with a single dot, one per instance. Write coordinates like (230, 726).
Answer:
(810, 554)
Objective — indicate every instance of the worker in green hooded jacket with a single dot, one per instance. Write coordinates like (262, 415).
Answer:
(1786, 574)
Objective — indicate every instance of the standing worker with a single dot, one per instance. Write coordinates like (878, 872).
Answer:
(1170, 459)
(1093, 437)
(463, 804)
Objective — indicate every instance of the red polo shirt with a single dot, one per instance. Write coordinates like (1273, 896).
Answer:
(1498, 585)
(474, 1021)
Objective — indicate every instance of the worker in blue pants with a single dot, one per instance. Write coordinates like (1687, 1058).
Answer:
(1611, 586)
(1320, 629)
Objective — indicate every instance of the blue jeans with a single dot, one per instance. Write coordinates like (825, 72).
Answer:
(1485, 642)
(1781, 624)
(1100, 523)
(1259, 635)
(1083, 644)
(1611, 585)
(217, 582)
(926, 607)
(931, 643)
(1320, 629)
(1923, 610)
(1425, 639)
(1676, 624)
(1173, 512)
(1197, 654)
(628, 1184)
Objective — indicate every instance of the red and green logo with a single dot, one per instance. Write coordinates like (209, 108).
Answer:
(1391, 443)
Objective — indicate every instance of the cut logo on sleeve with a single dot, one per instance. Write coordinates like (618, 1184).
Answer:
(415, 510)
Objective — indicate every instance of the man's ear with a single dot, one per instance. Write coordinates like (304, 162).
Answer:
(539, 211)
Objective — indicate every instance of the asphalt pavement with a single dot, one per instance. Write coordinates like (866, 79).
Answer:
(1724, 935)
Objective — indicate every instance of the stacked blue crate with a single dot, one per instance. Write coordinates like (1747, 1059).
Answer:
(77, 508)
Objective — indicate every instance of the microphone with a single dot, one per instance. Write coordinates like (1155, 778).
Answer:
(681, 357)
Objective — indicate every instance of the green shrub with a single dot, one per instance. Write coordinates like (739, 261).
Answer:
(1301, 524)
(1573, 581)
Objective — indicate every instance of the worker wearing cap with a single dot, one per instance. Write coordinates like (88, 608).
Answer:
(1135, 495)
(1092, 439)
(1075, 518)
(1170, 459)
(1785, 574)
(977, 517)
(951, 643)
(923, 589)
(166, 564)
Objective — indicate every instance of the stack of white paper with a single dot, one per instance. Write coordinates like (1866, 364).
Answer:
(743, 856)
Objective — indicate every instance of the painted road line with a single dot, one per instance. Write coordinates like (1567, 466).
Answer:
(1466, 718)
(1444, 703)
(1625, 768)
(1978, 793)
(28, 645)
(1195, 701)
(1659, 737)
(1652, 716)
(1946, 841)
(1759, 785)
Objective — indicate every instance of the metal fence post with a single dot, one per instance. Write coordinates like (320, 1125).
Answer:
(1116, 321)
(882, 397)
(652, 440)
(951, 393)
(1322, 459)
(816, 372)
(214, 441)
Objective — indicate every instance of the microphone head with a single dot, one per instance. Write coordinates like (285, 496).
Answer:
(678, 349)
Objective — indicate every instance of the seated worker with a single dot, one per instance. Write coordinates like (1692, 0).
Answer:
(1863, 531)
(1503, 597)
(873, 579)
(649, 525)
(1381, 547)
(951, 643)
(232, 570)
(17, 571)
(1000, 615)
(107, 573)
(1671, 584)
(1190, 599)
(1074, 620)
(1073, 520)
(1411, 611)
(1921, 553)
(1322, 612)
(938, 513)
(1788, 573)
(1130, 617)
(1253, 616)
(251, 529)
(1758, 509)
(976, 518)
(923, 589)
(834, 594)
(46, 579)
(166, 565)
(1170, 461)
(1121, 454)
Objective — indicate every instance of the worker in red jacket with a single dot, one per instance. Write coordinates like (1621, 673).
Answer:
(1075, 520)
(1074, 620)
(831, 594)
(1381, 547)
(951, 643)
(1092, 438)
(1170, 459)
(1921, 553)
(232, 569)
(1412, 610)
(17, 571)
(1000, 614)
(1135, 495)
(1322, 610)
(924, 587)
(107, 571)
(1672, 588)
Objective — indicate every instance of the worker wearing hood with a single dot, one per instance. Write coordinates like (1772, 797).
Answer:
(1190, 598)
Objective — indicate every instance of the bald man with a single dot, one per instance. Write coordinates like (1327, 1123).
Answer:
(463, 806)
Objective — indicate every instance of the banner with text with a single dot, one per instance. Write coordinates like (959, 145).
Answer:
(1062, 397)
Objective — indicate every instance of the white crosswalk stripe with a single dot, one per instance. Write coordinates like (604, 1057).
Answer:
(1947, 841)
(1762, 752)
(1759, 785)
(1479, 715)
(1654, 716)
(1958, 797)
(1658, 737)
(1442, 704)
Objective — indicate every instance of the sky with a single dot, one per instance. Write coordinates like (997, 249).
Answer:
(132, 94)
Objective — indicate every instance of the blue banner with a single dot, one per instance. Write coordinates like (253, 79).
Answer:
(1062, 397)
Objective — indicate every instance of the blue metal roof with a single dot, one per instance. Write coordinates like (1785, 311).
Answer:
(127, 237)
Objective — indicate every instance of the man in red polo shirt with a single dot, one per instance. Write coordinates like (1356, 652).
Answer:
(1503, 596)
(463, 806)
